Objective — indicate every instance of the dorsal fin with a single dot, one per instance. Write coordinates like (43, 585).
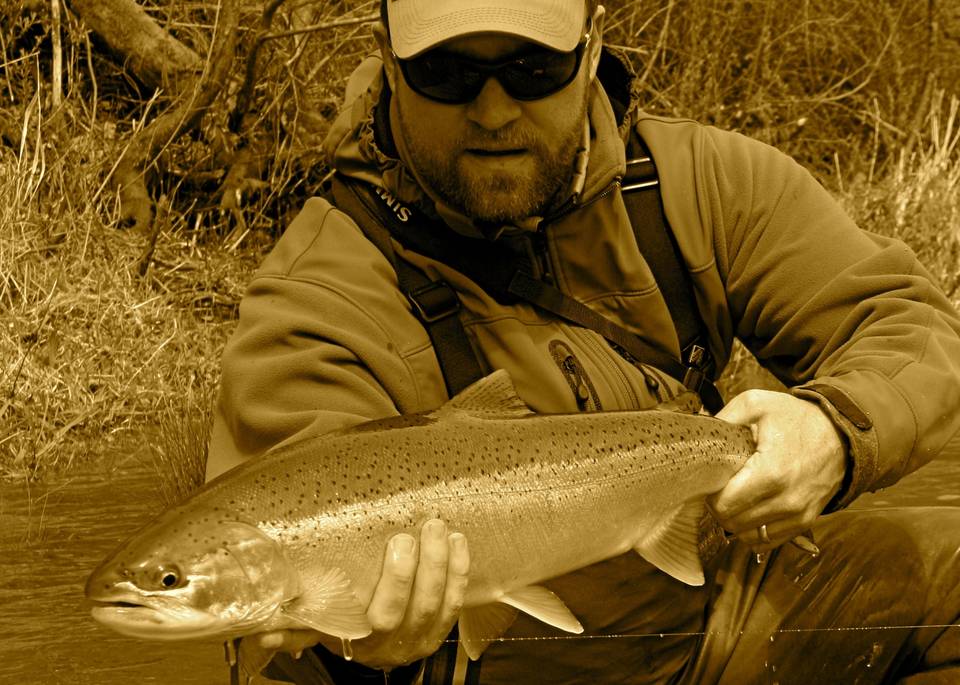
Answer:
(687, 402)
(492, 395)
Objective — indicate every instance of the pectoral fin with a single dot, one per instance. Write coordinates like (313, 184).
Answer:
(672, 545)
(328, 604)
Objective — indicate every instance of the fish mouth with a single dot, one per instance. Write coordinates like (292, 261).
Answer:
(96, 603)
(137, 619)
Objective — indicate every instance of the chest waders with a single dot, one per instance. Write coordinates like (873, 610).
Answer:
(507, 277)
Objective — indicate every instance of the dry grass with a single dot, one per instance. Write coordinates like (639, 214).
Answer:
(93, 352)
(834, 77)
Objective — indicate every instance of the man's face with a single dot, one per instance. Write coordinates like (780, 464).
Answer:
(495, 158)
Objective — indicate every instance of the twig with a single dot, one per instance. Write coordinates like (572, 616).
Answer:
(661, 45)
(168, 127)
(323, 27)
(245, 96)
(93, 80)
(57, 53)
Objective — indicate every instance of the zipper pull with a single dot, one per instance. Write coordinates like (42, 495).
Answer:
(540, 253)
(582, 392)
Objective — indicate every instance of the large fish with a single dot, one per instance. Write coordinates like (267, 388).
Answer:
(295, 539)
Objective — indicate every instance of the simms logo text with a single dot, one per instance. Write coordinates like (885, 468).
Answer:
(402, 213)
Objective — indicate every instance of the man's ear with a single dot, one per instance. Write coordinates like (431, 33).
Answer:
(386, 53)
(596, 41)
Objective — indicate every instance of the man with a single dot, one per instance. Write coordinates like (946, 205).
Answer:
(506, 122)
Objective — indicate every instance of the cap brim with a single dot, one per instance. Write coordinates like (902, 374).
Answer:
(418, 25)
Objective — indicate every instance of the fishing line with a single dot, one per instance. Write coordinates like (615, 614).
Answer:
(624, 636)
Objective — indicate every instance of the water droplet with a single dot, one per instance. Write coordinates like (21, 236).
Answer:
(875, 651)
(347, 648)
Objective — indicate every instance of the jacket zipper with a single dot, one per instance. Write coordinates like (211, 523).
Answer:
(539, 247)
(576, 376)
(603, 351)
(540, 253)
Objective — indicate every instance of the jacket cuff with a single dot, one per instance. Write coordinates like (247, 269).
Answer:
(856, 427)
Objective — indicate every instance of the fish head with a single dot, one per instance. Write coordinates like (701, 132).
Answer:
(192, 579)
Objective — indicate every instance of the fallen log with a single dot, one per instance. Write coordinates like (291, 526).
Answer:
(150, 53)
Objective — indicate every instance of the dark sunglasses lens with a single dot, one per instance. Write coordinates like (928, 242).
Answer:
(452, 79)
(443, 77)
(539, 75)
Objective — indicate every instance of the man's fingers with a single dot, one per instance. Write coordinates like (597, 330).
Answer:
(454, 590)
(458, 573)
(389, 602)
(431, 578)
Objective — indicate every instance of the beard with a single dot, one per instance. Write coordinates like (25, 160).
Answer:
(494, 195)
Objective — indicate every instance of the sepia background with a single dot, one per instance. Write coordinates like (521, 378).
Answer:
(151, 152)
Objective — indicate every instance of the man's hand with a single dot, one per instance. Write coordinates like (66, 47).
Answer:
(798, 467)
(415, 604)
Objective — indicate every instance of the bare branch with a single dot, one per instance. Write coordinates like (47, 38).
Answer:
(193, 103)
(153, 55)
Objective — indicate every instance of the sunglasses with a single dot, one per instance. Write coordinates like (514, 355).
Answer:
(456, 80)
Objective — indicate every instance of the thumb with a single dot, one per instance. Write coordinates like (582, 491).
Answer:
(744, 409)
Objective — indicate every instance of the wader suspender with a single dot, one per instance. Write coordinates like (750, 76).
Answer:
(502, 275)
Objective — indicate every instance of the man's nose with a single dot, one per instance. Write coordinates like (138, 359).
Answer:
(493, 108)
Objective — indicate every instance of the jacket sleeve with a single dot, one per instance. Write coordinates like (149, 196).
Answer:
(848, 319)
(325, 340)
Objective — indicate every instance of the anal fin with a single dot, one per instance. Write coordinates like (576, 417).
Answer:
(479, 626)
(544, 605)
(329, 605)
(672, 545)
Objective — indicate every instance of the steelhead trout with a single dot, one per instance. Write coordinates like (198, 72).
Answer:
(295, 539)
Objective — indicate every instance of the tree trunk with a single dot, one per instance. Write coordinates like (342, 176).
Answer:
(153, 55)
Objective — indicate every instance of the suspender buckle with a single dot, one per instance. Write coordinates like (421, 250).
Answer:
(696, 356)
(641, 174)
(697, 362)
(693, 379)
(434, 301)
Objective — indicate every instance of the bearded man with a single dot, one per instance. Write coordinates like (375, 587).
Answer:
(495, 133)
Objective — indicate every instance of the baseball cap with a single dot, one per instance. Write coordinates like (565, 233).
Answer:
(418, 25)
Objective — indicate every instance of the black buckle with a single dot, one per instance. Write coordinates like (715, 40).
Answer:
(696, 360)
(693, 379)
(434, 301)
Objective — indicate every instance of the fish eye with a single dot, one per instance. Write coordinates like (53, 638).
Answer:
(170, 578)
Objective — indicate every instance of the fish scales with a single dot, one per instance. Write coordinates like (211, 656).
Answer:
(535, 495)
